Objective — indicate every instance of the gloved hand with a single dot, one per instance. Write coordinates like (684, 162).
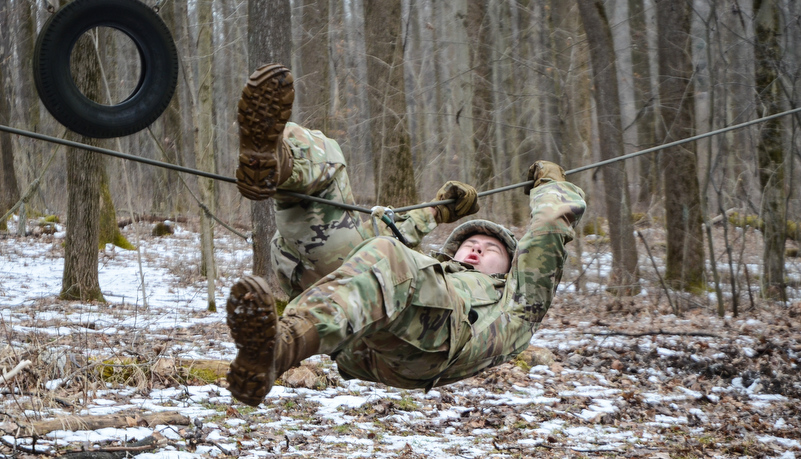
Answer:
(466, 201)
(544, 170)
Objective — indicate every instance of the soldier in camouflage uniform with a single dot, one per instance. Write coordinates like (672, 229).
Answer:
(383, 311)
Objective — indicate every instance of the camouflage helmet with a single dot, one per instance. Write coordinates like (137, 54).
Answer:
(467, 229)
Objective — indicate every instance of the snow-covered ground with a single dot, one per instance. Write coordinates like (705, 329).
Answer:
(610, 378)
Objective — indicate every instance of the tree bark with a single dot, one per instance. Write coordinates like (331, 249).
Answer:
(84, 177)
(625, 274)
(269, 40)
(9, 190)
(394, 171)
(685, 248)
(482, 167)
(26, 107)
(95, 422)
(770, 151)
(645, 101)
(312, 84)
(454, 88)
(204, 146)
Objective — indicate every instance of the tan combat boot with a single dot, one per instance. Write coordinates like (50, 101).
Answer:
(264, 109)
(268, 345)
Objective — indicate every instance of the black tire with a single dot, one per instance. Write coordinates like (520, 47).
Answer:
(62, 98)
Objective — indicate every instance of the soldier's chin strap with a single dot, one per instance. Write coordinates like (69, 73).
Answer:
(386, 215)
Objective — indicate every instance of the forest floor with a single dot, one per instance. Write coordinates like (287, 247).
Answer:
(607, 377)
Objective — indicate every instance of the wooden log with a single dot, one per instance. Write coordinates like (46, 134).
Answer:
(118, 420)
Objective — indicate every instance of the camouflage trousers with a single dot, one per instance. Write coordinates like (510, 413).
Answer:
(313, 238)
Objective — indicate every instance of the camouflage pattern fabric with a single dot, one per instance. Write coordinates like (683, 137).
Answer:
(503, 329)
(313, 238)
(390, 314)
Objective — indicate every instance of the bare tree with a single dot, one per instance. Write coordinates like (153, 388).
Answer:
(168, 194)
(9, 191)
(625, 274)
(685, 249)
(645, 102)
(312, 83)
(26, 108)
(394, 171)
(568, 124)
(770, 151)
(269, 40)
(202, 116)
(454, 90)
(482, 166)
(84, 176)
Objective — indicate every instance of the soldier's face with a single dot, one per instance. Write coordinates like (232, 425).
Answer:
(486, 253)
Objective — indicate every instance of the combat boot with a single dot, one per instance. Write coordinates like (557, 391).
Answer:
(267, 345)
(265, 161)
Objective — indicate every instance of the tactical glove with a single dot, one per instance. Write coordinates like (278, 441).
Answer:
(466, 201)
(543, 170)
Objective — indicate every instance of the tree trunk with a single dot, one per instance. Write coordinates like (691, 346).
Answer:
(204, 143)
(9, 190)
(84, 177)
(685, 248)
(625, 274)
(770, 151)
(384, 40)
(168, 195)
(269, 40)
(454, 99)
(644, 102)
(498, 44)
(312, 85)
(482, 167)
(26, 107)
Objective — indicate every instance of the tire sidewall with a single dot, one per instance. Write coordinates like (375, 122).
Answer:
(60, 95)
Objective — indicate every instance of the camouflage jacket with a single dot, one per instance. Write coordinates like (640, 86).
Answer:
(504, 310)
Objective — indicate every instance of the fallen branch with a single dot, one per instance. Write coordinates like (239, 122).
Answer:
(119, 420)
(6, 377)
(118, 452)
(25, 448)
(661, 281)
(650, 333)
(59, 400)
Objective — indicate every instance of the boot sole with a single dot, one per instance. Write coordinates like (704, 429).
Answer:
(253, 322)
(264, 110)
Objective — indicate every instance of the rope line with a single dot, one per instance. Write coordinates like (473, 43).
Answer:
(352, 207)
(200, 204)
(34, 185)
(618, 158)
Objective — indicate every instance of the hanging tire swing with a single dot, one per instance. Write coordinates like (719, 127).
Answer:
(157, 78)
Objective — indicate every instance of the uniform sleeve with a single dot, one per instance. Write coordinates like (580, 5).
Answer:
(556, 209)
(414, 225)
